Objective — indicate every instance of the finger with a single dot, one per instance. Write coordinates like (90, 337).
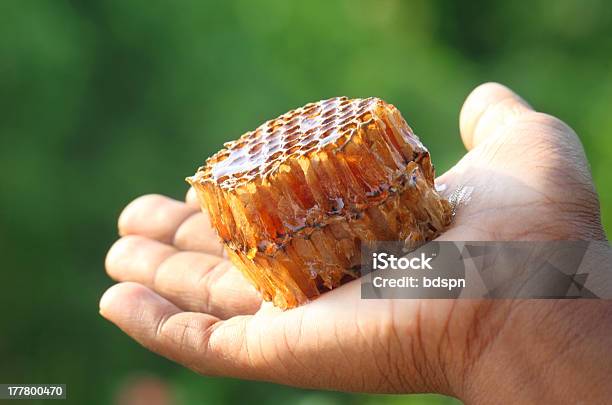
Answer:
(188, 338)
(197, 234)
(294, 347)
(135, 258)
(155, 322)
(193, 281)
(488, 109)
(199, 341)
(191, 198)
(154, 216)
(170, 221)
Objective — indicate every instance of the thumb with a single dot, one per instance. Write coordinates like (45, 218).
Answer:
(488, 108)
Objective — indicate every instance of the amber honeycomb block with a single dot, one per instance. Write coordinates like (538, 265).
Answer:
(293, 199)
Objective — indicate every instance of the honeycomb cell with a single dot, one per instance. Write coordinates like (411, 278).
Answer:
(293, 199)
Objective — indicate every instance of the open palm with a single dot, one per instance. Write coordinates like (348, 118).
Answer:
(178, 296)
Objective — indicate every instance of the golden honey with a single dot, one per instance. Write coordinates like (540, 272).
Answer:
(293, 200)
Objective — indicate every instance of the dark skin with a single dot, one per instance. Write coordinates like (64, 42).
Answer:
(178, 296)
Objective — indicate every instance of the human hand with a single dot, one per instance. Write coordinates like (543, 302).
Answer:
(180, 298)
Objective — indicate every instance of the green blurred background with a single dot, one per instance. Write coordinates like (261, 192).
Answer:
(103, 101)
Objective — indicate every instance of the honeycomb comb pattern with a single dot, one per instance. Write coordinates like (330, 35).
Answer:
(293, 199)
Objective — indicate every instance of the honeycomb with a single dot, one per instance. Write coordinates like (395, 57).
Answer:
(293, 199)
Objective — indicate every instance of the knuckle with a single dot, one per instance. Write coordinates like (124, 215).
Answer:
(548, 131)
(549, 121)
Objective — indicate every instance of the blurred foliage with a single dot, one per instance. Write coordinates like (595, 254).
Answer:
(103, 101)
